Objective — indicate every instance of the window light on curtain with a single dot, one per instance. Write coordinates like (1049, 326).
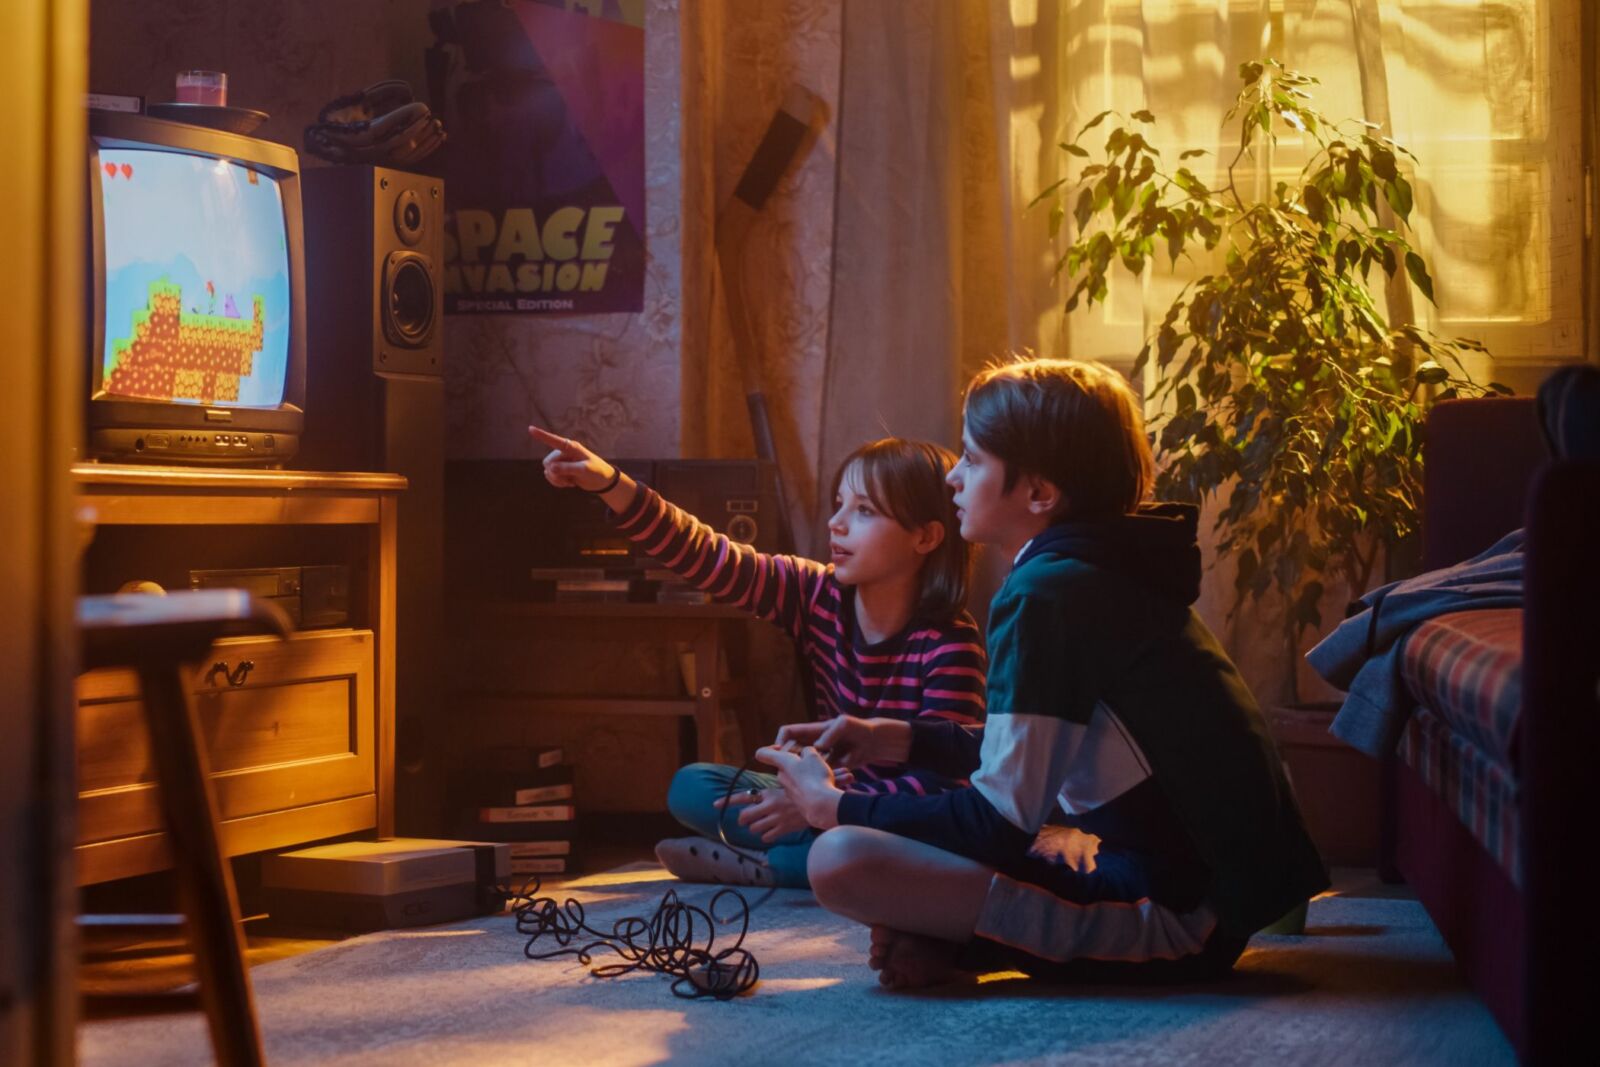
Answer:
(1487, 93)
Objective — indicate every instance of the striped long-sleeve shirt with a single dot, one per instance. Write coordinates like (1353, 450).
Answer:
(931, 671)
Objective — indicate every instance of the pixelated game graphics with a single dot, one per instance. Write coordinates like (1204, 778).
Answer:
(197, 280)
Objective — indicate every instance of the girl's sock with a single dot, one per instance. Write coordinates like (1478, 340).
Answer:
(696, 859)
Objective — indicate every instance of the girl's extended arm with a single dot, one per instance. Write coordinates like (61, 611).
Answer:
(777, 588)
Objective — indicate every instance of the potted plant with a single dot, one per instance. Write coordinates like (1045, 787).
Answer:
(1280, 386)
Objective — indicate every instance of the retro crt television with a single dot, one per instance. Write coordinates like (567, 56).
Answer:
(196, 295)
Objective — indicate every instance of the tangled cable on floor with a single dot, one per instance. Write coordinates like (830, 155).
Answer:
(668, 942)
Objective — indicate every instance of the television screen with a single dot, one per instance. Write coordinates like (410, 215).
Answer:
(197, 284)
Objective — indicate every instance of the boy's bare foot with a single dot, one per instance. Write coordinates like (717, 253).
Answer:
(698, 859)
(911, 961)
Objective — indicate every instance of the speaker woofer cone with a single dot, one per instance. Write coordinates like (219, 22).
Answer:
(409, 299)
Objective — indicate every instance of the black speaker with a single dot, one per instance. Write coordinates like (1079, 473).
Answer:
(374, 249)
(374, 241)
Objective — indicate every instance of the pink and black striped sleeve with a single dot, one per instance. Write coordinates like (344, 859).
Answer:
(777, 588)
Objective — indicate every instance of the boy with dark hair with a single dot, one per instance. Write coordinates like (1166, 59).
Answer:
(1107, 696)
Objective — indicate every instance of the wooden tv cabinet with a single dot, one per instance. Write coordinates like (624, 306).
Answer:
(301, 743)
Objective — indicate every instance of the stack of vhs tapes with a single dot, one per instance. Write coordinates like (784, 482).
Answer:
(522, 796)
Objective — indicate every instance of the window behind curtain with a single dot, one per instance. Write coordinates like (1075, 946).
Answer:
(1487, 93)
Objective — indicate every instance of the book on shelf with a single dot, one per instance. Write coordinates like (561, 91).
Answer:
(685, 594)
(594, 585)
(469, 826)
(527, 850)
(529, 813)
(568, 574)
(541, 794)
(593, 596)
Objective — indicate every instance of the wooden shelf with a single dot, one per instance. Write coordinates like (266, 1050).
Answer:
(485, 684)
(106, 474)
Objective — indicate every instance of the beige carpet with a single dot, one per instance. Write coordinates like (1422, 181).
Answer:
(1370, 983)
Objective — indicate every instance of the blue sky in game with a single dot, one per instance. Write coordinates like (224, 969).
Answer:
(193, 220)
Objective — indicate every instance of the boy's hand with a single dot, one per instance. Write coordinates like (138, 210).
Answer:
(569, 465)
(850, 741)
(768, 812)
(806, 778)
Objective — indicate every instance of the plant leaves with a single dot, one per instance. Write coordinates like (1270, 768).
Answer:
(1122, 200)
(1167, 342)
(1398, 193)
(1419, 275)
(1091, 124)
(1431, 373)
(1074, 150)
(1273, 374)
(1383, 164)
(1143, 116)
(1046, 191)
(1084, 208)
(1316, 204)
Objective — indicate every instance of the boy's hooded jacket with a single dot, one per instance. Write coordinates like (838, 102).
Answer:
(1098, 613)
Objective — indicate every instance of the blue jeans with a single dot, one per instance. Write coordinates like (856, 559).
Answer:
(690, 800)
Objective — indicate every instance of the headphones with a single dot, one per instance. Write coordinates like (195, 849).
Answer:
(379, 124)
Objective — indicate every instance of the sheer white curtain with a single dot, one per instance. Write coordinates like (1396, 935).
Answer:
(1487, 93)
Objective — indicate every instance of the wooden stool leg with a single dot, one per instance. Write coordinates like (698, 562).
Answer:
(205, 879)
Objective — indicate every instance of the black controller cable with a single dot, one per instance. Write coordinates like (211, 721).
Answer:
(678, 939)
(666, 942)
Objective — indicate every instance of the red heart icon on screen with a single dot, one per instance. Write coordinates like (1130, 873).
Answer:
(127, 170)
(111, 170)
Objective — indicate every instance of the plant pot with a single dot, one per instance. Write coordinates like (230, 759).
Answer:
(1336, 786)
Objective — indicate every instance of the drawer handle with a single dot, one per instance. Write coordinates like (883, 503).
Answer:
(234, 677)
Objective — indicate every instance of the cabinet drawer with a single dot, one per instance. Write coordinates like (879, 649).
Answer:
(297, 730)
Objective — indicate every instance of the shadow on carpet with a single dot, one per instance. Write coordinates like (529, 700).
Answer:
(1371, 982)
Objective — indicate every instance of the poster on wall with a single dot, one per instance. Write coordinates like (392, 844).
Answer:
(544, 178)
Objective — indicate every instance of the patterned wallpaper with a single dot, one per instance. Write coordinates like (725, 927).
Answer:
(285, 59)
